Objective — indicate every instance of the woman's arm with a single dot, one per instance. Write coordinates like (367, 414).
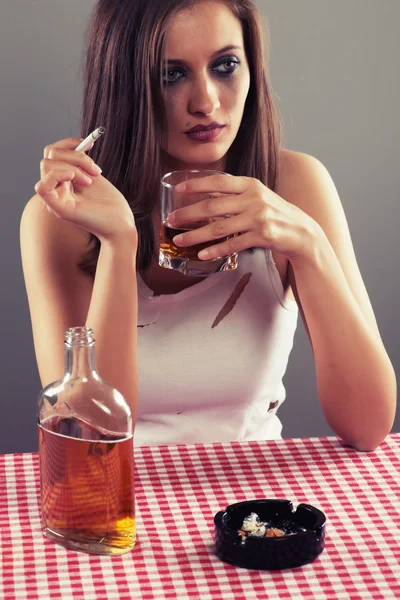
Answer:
(355, 379)
(73, 200)
(304, 221)
(113, 317)
(60, 296)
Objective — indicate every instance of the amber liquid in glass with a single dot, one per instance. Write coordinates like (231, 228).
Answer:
(190, 252)
(88, 500)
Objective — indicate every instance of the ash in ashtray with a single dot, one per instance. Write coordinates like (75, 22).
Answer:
(253, 527)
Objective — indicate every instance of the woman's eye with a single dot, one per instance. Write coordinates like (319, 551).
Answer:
(226, 67)
(171, 76)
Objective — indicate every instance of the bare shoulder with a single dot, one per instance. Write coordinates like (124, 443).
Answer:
(305, 182)
(292, 161)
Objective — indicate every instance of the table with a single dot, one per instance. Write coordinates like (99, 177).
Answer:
(359, 493)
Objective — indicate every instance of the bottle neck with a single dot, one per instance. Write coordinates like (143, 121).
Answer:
(80, 362)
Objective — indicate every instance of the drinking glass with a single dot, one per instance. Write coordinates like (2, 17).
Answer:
(185, 259)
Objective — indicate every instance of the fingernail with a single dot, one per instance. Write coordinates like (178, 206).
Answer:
(171, 219)
(178, 239)
(181, 187)
(203, 253)
(96, 168)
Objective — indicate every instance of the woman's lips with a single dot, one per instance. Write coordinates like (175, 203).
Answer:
(205, 136)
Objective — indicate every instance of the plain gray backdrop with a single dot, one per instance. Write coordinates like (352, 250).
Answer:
(335, 71)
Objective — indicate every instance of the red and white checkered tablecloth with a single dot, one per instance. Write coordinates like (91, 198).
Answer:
(359, 493)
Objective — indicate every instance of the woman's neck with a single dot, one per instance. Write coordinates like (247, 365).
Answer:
(169, 163)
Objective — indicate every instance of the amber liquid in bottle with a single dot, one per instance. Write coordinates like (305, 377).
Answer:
(87, 487)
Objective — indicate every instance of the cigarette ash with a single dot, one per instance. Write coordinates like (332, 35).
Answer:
(253, 527)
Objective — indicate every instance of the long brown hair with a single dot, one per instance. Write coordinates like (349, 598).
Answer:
(123, 92)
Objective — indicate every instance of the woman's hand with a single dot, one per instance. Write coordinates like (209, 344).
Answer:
(262, 218)
(73, 189)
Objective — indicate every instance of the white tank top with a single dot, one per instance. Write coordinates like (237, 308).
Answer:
(211, 358)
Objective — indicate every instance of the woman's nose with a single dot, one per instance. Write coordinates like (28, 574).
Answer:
(204, 97)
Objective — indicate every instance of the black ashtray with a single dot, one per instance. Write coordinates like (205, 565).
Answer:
(302, 542)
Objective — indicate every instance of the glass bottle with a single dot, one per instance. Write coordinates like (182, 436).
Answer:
(86, 456)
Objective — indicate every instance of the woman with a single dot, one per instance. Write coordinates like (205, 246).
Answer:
(205, 358)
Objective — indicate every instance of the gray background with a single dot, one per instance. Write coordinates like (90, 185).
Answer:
(335, 71)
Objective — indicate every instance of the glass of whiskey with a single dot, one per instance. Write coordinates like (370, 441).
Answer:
(185, 259)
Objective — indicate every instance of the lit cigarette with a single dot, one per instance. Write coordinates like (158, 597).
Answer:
(92, 137)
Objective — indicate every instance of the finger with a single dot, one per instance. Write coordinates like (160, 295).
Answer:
(215, 183)
(67, 144)
(219, 230)
(77, 159)
(231, 246)
(47, 166)
(210, 207)
(48, 184)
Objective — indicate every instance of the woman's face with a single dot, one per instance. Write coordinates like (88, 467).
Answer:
(206, 81)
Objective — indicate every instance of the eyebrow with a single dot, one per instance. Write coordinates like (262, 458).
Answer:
(178, 61)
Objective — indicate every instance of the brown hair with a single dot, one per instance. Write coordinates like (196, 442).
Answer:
(123, 92)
